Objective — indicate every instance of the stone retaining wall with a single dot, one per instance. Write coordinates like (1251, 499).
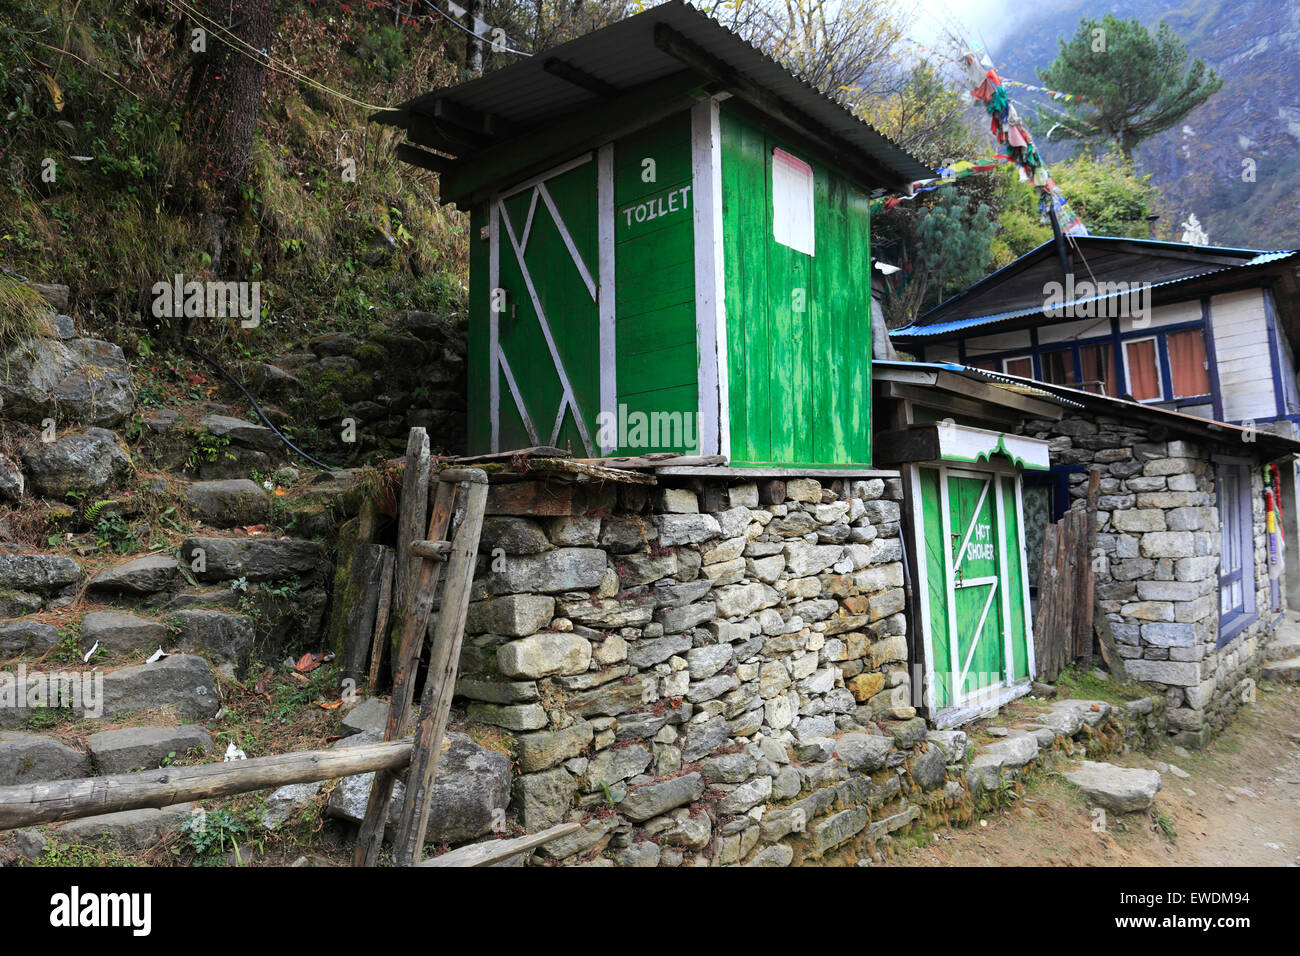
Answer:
(1157, 573)
(673, 660)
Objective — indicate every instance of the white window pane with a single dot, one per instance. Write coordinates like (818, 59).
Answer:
(792, 202)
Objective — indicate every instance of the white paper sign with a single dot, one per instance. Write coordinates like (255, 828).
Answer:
(792, 202)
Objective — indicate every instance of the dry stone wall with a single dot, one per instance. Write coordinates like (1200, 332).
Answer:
(687, 663)
(1157, 573)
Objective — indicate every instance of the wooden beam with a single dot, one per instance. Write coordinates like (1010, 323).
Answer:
(950, 404)
(901, 445)
(494, 851)
(385, 605)
(423, 158)
(581, 78)
(472, 177)
(1147, 252)
(743, 88)
(28, 804)
(999, 396)
(473, 121)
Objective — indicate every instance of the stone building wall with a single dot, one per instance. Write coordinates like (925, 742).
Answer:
(1157, 573)
(686, 655)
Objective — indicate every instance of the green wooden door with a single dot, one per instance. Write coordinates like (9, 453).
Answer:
(545, 317)
(976, 659)
(973, 567)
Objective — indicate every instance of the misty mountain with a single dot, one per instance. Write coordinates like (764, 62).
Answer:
(1253, 120)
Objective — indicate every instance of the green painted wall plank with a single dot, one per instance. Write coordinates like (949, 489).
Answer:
(657, 362)
(745, 226)
(648, 332)
(798, 326)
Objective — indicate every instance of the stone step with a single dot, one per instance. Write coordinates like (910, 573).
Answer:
(147, 575)
(182, 683)
(33, 758)
(228, 503)
(28, 581)
(1283, 648)
(144, 748)
(1120, 789)
(117, 634)
(257, 559)
(1287, 671)
(134, 829)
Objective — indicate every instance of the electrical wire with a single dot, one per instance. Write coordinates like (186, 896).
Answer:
(239, 45)
(258, 408)
(460, 26)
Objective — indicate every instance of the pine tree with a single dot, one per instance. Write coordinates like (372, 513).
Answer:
(1132, 82)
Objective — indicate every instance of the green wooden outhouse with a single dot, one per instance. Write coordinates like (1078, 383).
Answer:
(669, 247)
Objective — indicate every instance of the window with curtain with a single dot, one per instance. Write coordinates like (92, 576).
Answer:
(1097, 363)
(1143, 370)
(1188, 367)
(1023, 366)
(1058, 367)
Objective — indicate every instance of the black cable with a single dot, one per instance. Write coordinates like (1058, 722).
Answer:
(258, 408)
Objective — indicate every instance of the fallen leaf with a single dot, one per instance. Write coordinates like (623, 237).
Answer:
(328, 704)
(308, 662)
(300, 678)
(56, 94)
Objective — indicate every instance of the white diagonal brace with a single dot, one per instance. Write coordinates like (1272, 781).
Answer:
(568, 240)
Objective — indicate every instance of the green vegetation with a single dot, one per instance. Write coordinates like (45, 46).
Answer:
(1076, 683)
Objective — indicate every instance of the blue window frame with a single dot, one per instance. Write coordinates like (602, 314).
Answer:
(1064, 362)
(1237, 550)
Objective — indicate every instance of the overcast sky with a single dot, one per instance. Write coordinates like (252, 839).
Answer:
(982, 20)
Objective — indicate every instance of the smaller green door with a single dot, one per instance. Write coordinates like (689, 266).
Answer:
(973, 566)
(976, 655)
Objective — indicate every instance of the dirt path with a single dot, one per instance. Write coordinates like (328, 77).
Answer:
(1238, 806)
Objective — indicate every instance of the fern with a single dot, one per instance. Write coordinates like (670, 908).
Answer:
(95, 509)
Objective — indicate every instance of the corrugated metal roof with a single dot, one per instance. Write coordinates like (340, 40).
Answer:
(1208, 427)
(1010, 383)
(624, 55)
(915, 331)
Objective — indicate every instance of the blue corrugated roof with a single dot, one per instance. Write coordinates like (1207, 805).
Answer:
(1014, 383)
(943, 328)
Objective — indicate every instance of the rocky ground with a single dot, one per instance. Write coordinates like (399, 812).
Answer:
(1236, 803)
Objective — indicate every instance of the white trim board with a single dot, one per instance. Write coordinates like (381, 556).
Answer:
(710, 325)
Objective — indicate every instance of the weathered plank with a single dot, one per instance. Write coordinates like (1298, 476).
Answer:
(409, 625)
(493, 851)
(48, 802)
(539, 498)
(362, 599)
(378, 642)
(440, 681)
(412, 508)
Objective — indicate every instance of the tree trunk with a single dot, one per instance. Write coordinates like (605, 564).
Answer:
(473, 43)
(224, 96)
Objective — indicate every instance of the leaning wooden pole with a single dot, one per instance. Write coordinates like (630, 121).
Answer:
(411, 623)
(49, 802)
(440, 682)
